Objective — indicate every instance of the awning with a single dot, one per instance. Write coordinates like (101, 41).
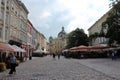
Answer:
(16, 48)
(88, 48)
(98, 48)
(79, 48)
(5, 47)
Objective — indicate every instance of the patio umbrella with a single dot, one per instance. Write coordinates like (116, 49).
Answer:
(80, 48)
(83, 48)
(98, 48)
(5, 47)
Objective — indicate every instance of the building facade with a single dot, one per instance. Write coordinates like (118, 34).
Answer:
(58, 44)
(43, 43)
(29, 40)
(47, 48)
(13, 27)
(16, 29)
(96, 29)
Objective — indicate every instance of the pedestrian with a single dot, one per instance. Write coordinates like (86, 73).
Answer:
(53, 55)
(108, 54)
(12, 64)
(58, 55)
(113, 55)
(115, 52)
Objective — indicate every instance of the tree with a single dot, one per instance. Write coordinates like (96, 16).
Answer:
(76, 38)
(113, 22)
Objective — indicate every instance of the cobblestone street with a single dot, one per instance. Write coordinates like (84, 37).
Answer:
(47, 68)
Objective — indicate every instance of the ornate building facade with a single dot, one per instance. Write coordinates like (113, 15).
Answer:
(16, 29)
(59, 43)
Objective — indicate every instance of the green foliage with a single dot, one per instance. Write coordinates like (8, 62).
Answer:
(95, 35)
(114, 2)
(113, 22)
(76, 38)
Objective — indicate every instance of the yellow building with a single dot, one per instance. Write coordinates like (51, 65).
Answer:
(47, 48)
(58, 44)
(41, 43)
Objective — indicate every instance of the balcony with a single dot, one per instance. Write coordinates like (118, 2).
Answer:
(16, 39)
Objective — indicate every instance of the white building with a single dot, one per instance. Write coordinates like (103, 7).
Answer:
(95, 29)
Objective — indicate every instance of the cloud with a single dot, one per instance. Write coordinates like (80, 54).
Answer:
(86, 12)
(48, 16)
(45, 14)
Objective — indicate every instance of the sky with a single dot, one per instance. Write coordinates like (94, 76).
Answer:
(49, 16)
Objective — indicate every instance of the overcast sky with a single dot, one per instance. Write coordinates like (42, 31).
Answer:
(48, 16)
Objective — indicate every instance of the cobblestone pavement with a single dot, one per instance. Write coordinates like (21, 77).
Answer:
(106, 66)
(47, 68)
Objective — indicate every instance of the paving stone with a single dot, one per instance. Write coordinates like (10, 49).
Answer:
(47, 68)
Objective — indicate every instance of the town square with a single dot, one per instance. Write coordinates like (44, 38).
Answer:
(59, 40)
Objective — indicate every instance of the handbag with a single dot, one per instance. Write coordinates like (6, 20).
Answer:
(17, 63)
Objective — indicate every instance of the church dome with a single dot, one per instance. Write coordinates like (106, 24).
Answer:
(62, 33)
(50, 39)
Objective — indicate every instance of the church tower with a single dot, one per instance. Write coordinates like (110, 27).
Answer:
(62, 34)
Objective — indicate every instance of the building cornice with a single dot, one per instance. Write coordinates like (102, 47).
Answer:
(22, 5)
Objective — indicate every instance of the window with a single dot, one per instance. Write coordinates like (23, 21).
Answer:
(2, 2)
(15, 33)
(11, 20)
(12, 8)
(6, 31)
(23, 37)
(10, 32)
(6, 19)
(0, 32)
(16, 12)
